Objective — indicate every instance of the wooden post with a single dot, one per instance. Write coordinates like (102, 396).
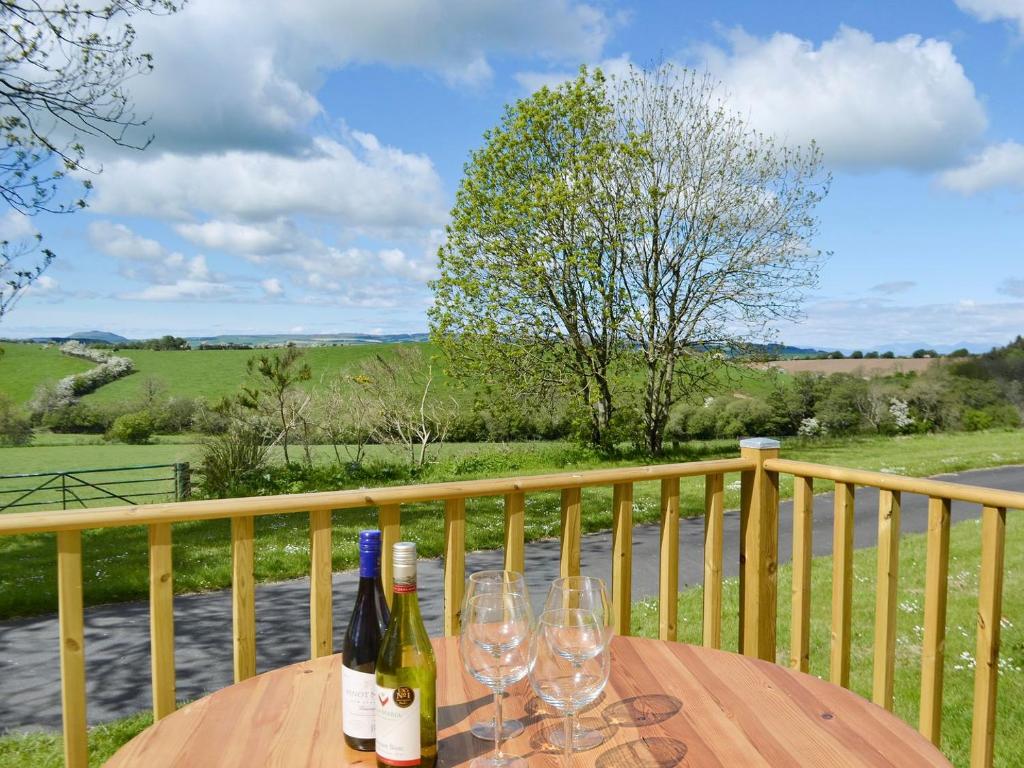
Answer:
(759, 550)
(389, 520)
(243, 597)
(803, 526)
(161, 619)
(321, 586)
(933, 649)
(990, 612)
(454, 563)
(842, 584)
(714, 507)
(71, 623)
(886, 585)
(668, 577)
(622, 556)
(515, 532)
(572, 503)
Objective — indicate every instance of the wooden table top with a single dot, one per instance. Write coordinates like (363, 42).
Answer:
(666, 705)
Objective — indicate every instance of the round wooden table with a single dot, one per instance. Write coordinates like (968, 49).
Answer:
(666, 705)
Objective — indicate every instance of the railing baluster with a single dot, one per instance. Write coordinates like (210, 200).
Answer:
(161, 619)
(622, 555)
(454, 563)
(933, 650)
(321, 586)
(803, 526)
(759, 550)
(886, 584)
(571, 521)
(990, 613)
(515, 532)
(668, 578)
(714, 507)
(842, 584)
(243, 597)
(72, 648)
(389, 520)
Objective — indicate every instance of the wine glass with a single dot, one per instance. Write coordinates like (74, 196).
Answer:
(495, 650)
(502, 582)
(585, 593)
(569, 666)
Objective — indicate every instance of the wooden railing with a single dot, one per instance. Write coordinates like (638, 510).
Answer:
(759, 468)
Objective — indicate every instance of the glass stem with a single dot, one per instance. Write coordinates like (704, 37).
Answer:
(568, 738)
(498, 724)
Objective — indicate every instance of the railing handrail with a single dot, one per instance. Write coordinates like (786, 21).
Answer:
(213, 509)
(940, 489)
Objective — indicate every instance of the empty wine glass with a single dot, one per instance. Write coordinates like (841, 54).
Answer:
(585, 593)
(500, 582)
(495, 651)
(569, 666)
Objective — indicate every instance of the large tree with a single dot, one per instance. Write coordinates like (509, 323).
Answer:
(607, 228)
(63, 70)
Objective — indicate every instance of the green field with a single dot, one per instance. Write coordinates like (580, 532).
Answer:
(23, 367)
(116, 558)
(213, 374)
(44, 749)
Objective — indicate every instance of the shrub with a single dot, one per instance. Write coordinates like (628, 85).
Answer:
(992, 416)
(133, 428)
(15, 427)
(81, 418)
(233, 462)
(744, 417)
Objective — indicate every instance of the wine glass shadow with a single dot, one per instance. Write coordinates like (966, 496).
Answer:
(653, 752)
(640, 711)
(450, 714)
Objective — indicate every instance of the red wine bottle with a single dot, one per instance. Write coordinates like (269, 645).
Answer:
(370, 618)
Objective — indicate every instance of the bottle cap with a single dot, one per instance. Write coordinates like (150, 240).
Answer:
(369, 541)
(403, 561)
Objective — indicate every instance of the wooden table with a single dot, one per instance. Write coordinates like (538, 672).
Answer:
(666, 704)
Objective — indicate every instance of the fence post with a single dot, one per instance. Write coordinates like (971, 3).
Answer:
(182, 481)
(759, 550)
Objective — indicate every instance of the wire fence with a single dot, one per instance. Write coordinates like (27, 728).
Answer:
(80, 488)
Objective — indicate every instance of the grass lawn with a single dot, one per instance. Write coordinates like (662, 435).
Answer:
(43, 749)
(965, 556)
(115, 559)
(23, 367)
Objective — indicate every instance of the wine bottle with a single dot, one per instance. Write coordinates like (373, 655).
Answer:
(406, 675)
(362, 644)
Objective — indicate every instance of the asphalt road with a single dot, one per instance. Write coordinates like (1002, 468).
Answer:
(117, 636)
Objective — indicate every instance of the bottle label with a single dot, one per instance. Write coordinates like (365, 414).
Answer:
(358, 703)
(398, 725)
(404, 587)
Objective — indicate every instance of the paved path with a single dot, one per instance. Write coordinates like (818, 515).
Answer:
(117, 639)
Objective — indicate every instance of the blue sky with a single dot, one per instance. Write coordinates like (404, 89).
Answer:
(307, 154)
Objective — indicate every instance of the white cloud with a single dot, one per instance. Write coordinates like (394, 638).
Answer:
(272, 287)
(868, 103)
(120, 242)
(999, 165)
(995, 10)
(369, 187)
(254, 241)
(183, 290)
(15, 225)
(1012, 286)
(141, 258)
(245, 73)
(533, 81)
(894, 286)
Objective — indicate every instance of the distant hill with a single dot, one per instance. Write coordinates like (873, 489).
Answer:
(307, 339)
(106, 336)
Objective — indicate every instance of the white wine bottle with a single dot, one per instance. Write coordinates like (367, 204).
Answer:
(406, 723)
(362, 645)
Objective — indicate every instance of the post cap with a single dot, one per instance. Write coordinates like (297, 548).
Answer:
(760, 443)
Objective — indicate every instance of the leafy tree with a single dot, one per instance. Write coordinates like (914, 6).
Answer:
(871, 355)
(961, 352)
(63, 70)
(920, 353)
(605, 227)
(856, 354)
(888, 355)
(277, 377)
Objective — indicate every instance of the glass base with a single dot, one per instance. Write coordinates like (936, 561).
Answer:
(582, 738)
(485, 729)
(505, 761)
